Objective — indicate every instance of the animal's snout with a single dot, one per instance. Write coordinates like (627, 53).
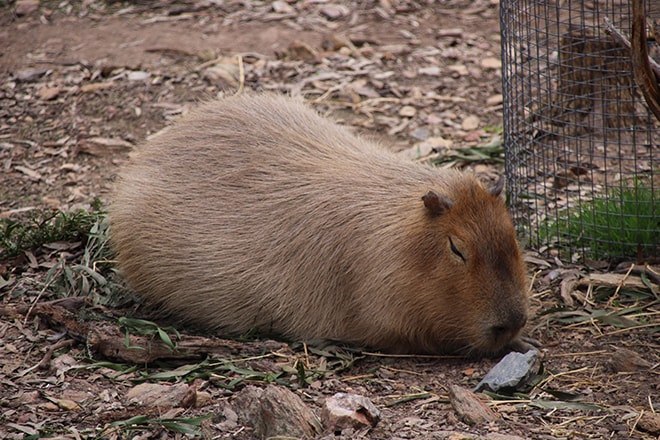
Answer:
(509, 327)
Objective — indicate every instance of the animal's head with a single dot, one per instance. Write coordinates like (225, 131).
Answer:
(476, 284)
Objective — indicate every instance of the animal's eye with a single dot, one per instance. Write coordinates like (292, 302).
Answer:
(456, 251)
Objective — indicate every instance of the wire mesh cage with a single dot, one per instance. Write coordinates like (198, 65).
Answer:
(583, 148)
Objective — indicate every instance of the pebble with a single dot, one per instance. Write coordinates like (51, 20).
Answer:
(470, 123)
(334, 12)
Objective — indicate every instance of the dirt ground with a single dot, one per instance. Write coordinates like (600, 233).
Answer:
(82, 83)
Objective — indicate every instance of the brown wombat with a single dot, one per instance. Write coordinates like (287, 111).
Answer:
(255, 213)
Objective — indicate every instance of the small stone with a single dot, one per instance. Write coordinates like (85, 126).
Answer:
(470, 123)
(491, 63)
(26, 7)
(430, 71)
(408, 111)
(421, 133)
(137, 75)
(451, 32)
(282, 7)
(624, 360)
(202, 398)
(48, 93)
(513, 369)
(93, 87)
(302, 51)
(223, 72)
(650, 423)
(469, 407)
(349, 411)
(334, 12)
(460, 69)
(68, 405)
(29, 75)
(495, 99)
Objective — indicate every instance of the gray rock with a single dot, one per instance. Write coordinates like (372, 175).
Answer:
(509, 372)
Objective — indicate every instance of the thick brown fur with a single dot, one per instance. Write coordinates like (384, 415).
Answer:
(254, 213)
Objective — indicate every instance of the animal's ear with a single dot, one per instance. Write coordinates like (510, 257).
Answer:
(496, 189)
(437, 204)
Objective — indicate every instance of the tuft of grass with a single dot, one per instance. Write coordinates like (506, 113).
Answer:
(43, 227)
(625, 223)
(148, 328)
(88, 271)
(189, 426)
(491, 152)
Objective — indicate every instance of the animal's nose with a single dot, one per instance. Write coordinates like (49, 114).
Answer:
(510, 325)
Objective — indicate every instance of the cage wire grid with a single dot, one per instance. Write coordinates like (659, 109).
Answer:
(582, 148)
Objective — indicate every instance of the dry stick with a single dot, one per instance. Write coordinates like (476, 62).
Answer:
(621, 39)
(45, 361)
(241, 74)
(645, 70)
(644, 75)
(36, 300)
(618, 288)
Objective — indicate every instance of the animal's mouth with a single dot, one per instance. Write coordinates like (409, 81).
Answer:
(499, 338)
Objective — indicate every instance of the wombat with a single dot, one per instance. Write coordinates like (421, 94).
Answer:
(255, 213)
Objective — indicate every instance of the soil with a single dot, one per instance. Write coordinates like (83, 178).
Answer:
(82, 83)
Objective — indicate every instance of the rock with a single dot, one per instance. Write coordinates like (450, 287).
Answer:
(460, 69)
(421, 133)
(302, 51)
(227, 72)
(650, 423)
(451, 32)
(495, 99)
(275, 411)
(430, 71)
(408, 111)
(470, 123)
(334, 12)
(624, 360)
(26, 7)
(93, 87)
(469, 407)
(157, 395)
(137, 75)
(439, 143)
(509, 372)
(48, 93)
(29, 75)
(352, 411)
(282, 7)
(491, 63)
(498, 436)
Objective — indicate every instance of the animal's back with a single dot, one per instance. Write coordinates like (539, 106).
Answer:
(254, 212)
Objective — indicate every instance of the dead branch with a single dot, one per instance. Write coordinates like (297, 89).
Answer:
(623, 41)
(644, 76)
(645, 70)
(106, 338)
